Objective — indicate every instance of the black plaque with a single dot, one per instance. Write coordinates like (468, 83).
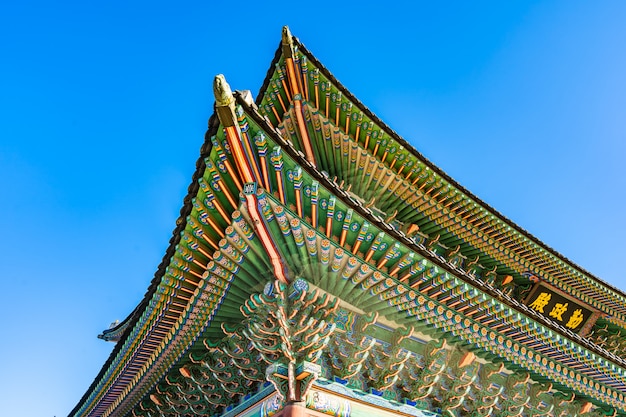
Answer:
(556, 307)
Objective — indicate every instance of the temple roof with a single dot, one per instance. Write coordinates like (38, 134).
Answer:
(538, 258)
(457, 256)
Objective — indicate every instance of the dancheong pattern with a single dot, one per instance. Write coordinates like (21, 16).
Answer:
(322, 265)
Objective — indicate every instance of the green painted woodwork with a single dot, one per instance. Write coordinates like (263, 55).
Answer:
(398, 296)
(443, 206)
(322, 272)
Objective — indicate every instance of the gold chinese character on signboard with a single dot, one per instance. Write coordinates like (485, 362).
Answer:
(541, 301)
(558, 311)
(575, 319)
(557, 306)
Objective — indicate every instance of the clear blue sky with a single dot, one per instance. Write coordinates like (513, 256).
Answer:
(103, 108)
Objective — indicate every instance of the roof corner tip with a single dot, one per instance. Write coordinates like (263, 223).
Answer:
(222, 92)
(224, 101)
(286, 34)
(287, 42)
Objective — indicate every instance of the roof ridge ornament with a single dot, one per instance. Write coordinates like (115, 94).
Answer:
(224, 101)
(295, 92)
(221, 90)
(287, 42)
(225, 108)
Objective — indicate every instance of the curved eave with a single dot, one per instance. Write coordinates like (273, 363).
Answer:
(115, 333)
(436, 321)
(181, 223)
(602, 288)
(132, 320)
(512, 306)
(419, 248)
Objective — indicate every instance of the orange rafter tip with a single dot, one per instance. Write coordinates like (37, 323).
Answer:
(342, 239)
(299, 204)
(191, 271)
(219, 207)
(275, 113)
(210, 242)
(281, 187)
(202, 251)
(382, 262)
(329, 225)
(314, 216)
(249, 152)
(394, 271)
(288, 52)
(233, 175)
(467, 359)
(317, 97)
(586, 407)
(235, 141)
(370, 253)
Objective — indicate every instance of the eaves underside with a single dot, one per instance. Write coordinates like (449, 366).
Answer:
(186, 209)
(597, 290)
(327, 183)
(418, 248)
(131, 321)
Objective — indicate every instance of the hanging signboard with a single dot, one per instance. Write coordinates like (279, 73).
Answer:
(555, 306)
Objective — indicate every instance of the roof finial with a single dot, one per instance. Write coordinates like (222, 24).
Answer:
(287, 42)
(222, 91)
(224, 101)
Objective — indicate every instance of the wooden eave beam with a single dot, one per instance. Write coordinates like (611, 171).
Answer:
(365, 112)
